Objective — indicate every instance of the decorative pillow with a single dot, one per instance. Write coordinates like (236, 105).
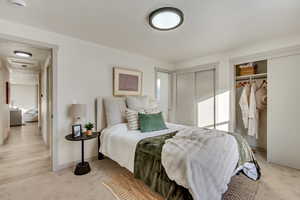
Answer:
(137, 102)
(151, 122)
(115, 110)
(132, 119)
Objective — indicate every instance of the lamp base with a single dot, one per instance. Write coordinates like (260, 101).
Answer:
(82, 168)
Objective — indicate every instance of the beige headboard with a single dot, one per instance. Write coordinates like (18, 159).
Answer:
(100, 114)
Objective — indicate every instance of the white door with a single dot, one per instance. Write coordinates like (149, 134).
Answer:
(205, 98)
(163, 92)
(283, 111)
(185, 99)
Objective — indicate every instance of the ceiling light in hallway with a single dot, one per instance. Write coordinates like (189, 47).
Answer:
(21, 3)
(23, 54)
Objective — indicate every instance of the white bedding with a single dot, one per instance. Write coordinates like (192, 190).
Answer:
(201, 160)
(119, 144)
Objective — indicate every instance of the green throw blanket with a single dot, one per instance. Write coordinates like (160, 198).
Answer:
(148, 167)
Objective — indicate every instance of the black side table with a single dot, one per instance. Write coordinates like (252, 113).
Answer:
(82, 167)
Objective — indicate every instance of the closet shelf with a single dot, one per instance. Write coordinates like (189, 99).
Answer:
(254, 76)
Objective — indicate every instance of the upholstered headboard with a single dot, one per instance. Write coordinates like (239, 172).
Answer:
(110, 111)
(100, 114)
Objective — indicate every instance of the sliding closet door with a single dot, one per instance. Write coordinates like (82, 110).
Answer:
(205, 98)
(283, 111)
(185, 105)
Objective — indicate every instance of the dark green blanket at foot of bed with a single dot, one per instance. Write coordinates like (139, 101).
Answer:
(148, 168)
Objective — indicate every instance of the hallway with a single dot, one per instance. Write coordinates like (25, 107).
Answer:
(23, 155)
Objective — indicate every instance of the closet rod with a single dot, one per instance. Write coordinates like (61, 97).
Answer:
(254, 76)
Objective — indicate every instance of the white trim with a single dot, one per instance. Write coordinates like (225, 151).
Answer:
(55, 48)
(54, 138)
(198, 68)
(170, 106)
(266, 55)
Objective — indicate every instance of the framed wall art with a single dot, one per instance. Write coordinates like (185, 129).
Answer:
(127, 82)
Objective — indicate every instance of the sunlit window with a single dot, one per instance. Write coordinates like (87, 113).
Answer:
(205, 113)
(158, 89)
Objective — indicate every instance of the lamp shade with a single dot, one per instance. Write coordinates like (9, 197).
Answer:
(78, 110)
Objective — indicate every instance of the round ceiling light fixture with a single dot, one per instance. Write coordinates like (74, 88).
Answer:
(23, 54)
(21, 3)
(166, 18)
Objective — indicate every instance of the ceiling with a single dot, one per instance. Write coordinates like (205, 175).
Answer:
(19, 74)
(210, 25)
(33, 64)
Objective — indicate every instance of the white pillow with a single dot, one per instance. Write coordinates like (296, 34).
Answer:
(115, 108)
(137, 102)
(132, 117)
(153, 107)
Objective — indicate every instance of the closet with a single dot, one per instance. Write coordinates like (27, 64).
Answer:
(196, 97)
(251, 103)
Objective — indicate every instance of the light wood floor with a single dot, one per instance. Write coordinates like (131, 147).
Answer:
(23, 155)
(277, 182)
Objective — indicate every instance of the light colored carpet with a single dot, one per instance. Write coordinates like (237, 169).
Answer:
(125, 187)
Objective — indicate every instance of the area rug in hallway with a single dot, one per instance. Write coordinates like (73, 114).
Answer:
(125, 187)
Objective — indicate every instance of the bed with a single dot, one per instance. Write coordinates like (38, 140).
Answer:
(200, 169)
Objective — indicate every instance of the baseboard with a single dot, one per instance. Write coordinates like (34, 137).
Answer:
(72, 164)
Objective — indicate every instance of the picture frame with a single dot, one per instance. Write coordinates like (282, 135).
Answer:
(127, 82)
(76, 130)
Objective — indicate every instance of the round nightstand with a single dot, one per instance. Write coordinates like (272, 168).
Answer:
(82, 167)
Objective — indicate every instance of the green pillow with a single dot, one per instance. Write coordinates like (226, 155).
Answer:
(151, 122)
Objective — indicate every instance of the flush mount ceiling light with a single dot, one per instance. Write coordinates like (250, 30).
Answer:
(166, 18)
(23, 54)
(21, 3)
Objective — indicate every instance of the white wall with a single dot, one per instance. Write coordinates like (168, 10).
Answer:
(84, 71)
(4, 108)
(24, 96)
(23, 77)
(284, 111)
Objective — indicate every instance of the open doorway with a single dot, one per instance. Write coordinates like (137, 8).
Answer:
(163, 91)
(26, 110)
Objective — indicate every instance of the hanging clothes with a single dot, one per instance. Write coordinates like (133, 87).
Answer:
(261, 97)
(253, 113)
(244, 104)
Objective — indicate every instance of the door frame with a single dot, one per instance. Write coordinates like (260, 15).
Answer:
(53, 135)
(170, 106)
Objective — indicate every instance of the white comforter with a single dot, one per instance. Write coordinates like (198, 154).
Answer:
(119, 144)
(201, 160)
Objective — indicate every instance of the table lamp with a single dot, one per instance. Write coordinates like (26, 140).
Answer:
(78, 112)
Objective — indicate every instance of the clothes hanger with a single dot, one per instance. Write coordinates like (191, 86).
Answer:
(264, 83)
